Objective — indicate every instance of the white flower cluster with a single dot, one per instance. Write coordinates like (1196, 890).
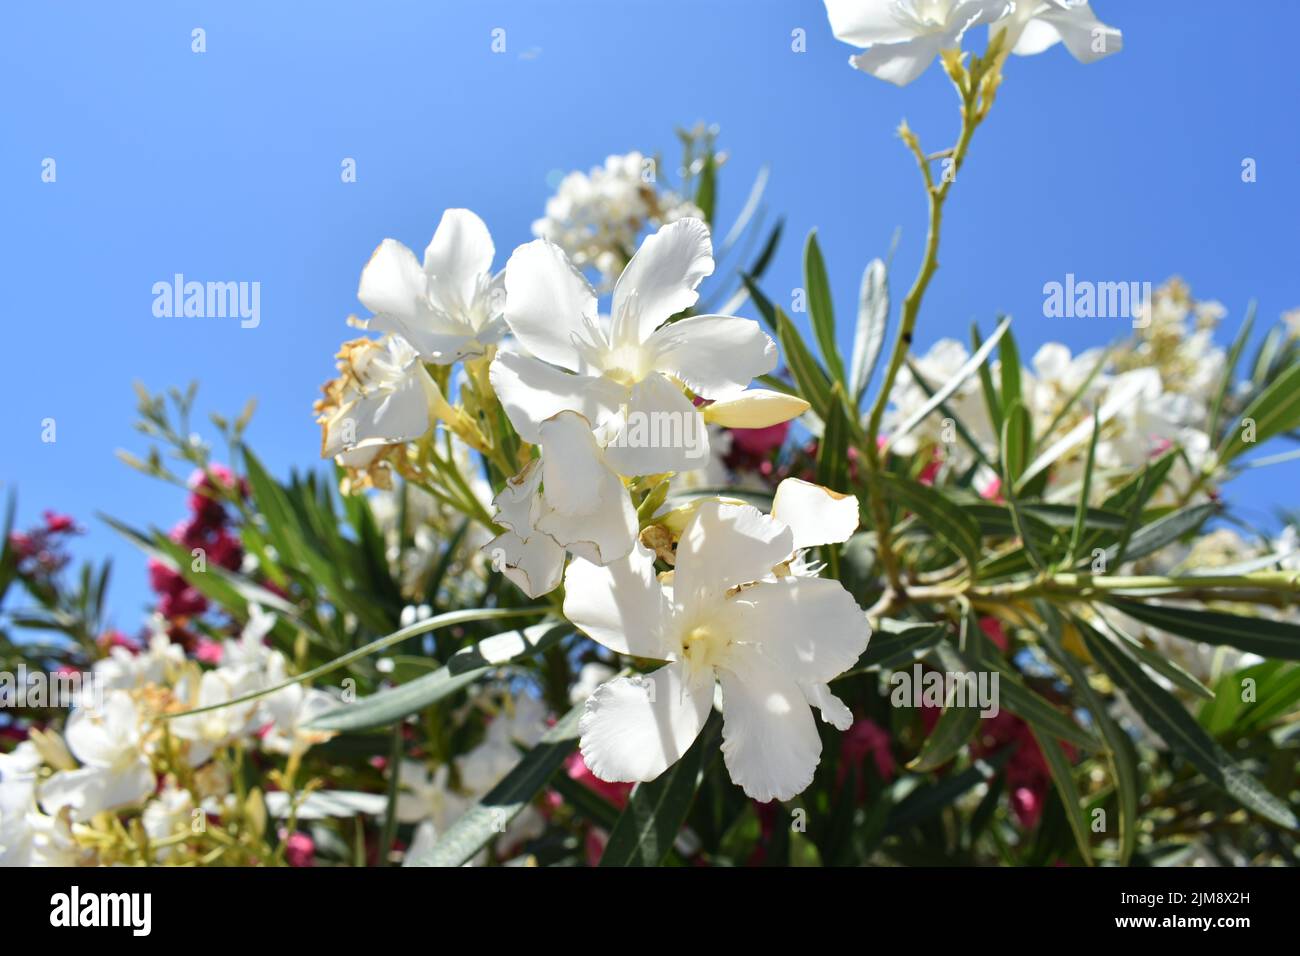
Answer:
(112, 752)
(1152, 393)
(900, 38)
(608, 404)
(596, 217)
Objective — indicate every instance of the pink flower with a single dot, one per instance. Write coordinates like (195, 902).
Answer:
(994, 631)
(22, 544)
(208, 651)
(759, 442)
(993, 490)
(615, 793)
(56, 523)
(867, 738)
(299, 849)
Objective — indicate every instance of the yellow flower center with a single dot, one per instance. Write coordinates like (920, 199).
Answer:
(705, 646)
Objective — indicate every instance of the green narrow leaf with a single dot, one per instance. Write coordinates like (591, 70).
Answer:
(1165, 530)
(656, 810)
(1081, 515)
(1010, 374)
(764, 259)
(1156, 661)
(463, 668)
(962, 431)
(232, 591)
(706, 192)
(821, 311)
(1066, 789)
(873, 319)
(810, 377)
(1163, 713)
(1120, 754)
(833, 450)
(1279, 640)
(1274, 411)
(943, 517)
(489, 817)
(897, 642)
(1017, 439)
(1230, 370)
(949, 387)
(448, 619)
(929, 799)
(766, 310)
(992, 401)
(950, 734)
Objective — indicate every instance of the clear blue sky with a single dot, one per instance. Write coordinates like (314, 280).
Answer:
(225, 166)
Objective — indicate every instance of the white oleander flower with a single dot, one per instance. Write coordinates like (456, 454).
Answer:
(1059, 377)
(900, 38)
(425, 796)
(114, 771)
(213, 729)
(940, 364)
(383, 396)
(596, 217)
(627, 380)
(1036, 25)
(523, 723)
(158, 663)
(569, 498)
(449, 308)
(290, 711)
(168, 814)
(250, 652)
(772, 642)
(18, 777)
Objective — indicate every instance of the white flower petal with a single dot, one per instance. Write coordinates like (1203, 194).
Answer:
(388, 416)
(834, 711)
(516, 504)
(900, 63)
(621, 605)
(585, 506)
(815, 515)
(715, 356)
(658, 430)
(864, 22)
(660, 280)
(811, 628)
(91, 790)
(395, 288)
(459, 254)
(534, 565)
(1086, 37)
(392, 283)
(725, 545)
(635, 728)
(769, 738)
(531, 391)
(549, 304)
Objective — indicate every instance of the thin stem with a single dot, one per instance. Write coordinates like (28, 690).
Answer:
(976, 88)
